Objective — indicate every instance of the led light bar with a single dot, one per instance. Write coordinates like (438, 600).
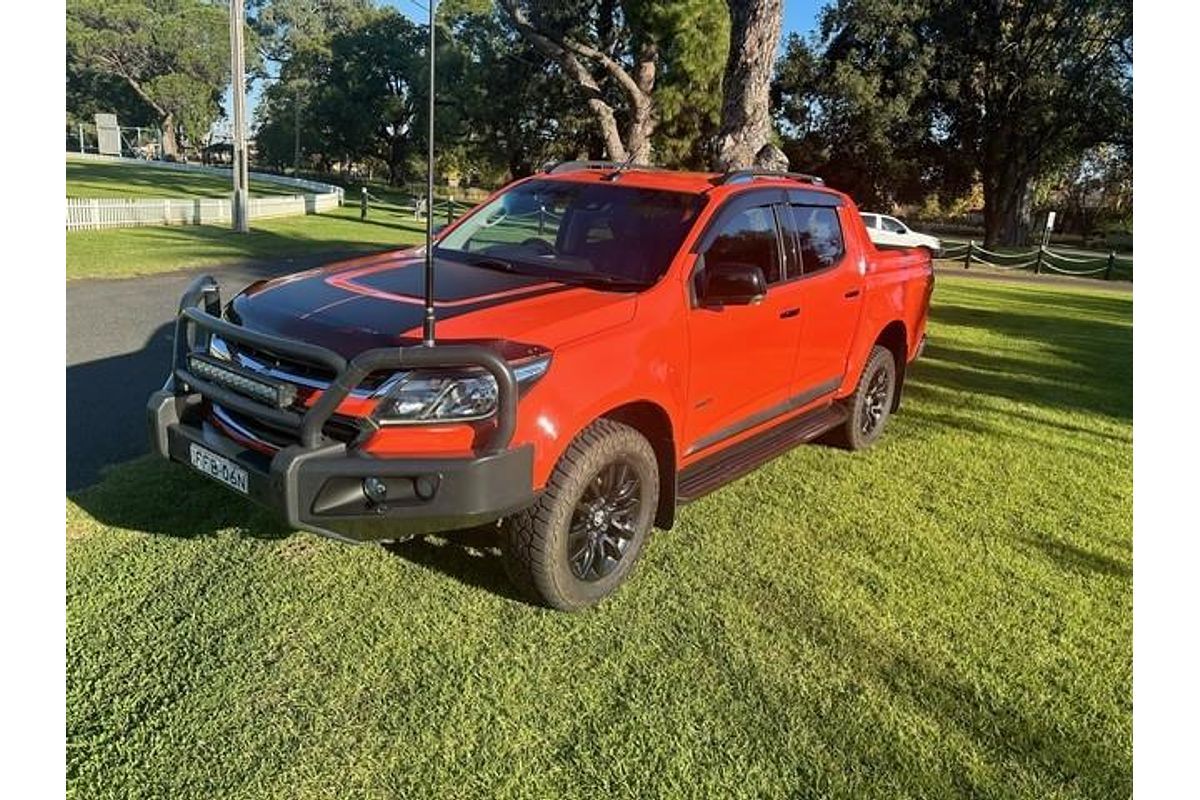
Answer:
(276, 394)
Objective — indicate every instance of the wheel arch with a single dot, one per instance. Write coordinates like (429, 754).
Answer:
(652, 421)
(894, 337)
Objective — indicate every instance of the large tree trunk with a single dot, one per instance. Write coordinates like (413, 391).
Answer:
(1007, 196)
(170, 144)
(745, 112)
(643, 112)
(395, 160)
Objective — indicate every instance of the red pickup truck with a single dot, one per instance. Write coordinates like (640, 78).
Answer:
(611, 342)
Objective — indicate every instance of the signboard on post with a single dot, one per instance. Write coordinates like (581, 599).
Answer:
(108, 135)
(1049, 228)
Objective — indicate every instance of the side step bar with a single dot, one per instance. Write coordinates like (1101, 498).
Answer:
(713, 472)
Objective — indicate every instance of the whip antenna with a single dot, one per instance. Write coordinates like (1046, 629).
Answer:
(429, 315)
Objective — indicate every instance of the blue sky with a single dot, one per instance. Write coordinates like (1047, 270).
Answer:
(799, 16)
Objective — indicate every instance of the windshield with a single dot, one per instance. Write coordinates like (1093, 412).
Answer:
(603, 233)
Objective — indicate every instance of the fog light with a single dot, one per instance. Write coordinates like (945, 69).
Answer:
(374, 489)
(426, 486)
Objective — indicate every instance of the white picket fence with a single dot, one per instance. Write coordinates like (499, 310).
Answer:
(95, 213)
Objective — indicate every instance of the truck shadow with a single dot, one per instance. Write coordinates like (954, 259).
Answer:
(1079, 560)
(470, 556)
(152, 496)
(106, 402)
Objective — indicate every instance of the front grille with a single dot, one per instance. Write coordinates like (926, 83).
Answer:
(295, 371)
(307, 373)
(338, 428)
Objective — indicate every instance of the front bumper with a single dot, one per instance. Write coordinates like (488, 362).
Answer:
(316, 484)
(320, 489)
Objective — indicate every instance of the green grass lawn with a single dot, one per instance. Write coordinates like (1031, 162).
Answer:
(946, 615)
(87, 178)
(124, 252)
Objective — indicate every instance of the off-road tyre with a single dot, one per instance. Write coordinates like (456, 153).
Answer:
(534, 542)
(871, 404)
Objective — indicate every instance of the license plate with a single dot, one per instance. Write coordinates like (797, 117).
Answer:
(221, 468)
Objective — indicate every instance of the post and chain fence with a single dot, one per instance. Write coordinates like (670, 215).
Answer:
(1042, 260)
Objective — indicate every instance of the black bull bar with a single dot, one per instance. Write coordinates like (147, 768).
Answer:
(349, 374)
(313, 482)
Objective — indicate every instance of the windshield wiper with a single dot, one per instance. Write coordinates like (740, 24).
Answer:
(604, 279)
(493, 263)
(563, 276)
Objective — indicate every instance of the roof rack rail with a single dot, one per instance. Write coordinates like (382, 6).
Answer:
(553, 168)
(742, 175)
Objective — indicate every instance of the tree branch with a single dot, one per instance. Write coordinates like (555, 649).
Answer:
(567, 47)
(119, 69)
(577, 71)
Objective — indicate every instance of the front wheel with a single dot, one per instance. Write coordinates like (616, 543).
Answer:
(579, 541)
(871, 404)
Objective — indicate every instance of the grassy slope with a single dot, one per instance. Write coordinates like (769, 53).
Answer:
(947, 614)
(87, 178)
(125, 252)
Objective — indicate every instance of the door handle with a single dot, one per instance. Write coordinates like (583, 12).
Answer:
(853, 293)
(789, 313)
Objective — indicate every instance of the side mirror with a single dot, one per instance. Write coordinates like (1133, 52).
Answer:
(732, 284)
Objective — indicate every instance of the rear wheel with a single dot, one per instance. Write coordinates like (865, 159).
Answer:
(871, 404)
(580, 540)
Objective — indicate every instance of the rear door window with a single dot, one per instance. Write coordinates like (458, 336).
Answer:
(819, 234)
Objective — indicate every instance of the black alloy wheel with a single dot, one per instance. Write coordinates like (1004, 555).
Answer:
(581, 538)
(876, 400)
(871, 404)
(604, 521)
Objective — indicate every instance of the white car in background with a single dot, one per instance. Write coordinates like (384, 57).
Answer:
(888, 231)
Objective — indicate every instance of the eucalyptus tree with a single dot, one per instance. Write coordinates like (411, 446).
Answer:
(294, 38)
(173, 55)
(899, 98)
(1021, 87)
(631, 60)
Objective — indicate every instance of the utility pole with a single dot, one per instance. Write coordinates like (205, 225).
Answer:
(429, 294)
(296, 141)
(241, 172)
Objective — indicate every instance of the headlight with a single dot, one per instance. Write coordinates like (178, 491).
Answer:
(428, 397)
(435, 396)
